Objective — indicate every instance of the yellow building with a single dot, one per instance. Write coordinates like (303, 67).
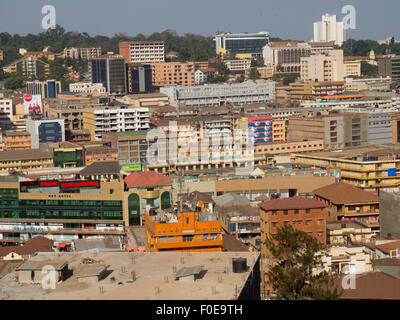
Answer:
(16, 140)
(352, 68)
(23, 160)
(238, 65)
(28, 66)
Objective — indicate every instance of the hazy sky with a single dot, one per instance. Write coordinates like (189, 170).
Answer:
(287, 19)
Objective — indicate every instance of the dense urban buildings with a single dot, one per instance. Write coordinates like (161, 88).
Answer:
(47, 89)
(29, 66)
(166, 74)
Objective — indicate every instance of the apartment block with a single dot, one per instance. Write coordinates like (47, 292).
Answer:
(305, 214)
(29, 67)
(289, 146)
(323, 67)
(47, 89)
(347, 202)
(16, 140)
(166, 74)
(142, 51)
(23, 160)
(370, 84)
(380, 128)
(351, 68)
(6, 113)
(81, 53)
(114, 119)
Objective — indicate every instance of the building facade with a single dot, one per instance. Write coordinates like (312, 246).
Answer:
(29, 67)
(323, 67)
(389, 67)
(142, 51)
(81, 53)
(285, 56)
(47, 89)
(221, 94)
(305, 214)
(328, 29)
(16, 140)
(114, 119)
(45, 130)
(242, 43)
(111, 72)
(87, 87)
(172, 74)
(140, 79)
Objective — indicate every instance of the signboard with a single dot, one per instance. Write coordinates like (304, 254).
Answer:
(132, 167)
(32, 104)
(392, 172)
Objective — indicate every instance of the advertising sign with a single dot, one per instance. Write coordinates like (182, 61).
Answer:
(32, 104)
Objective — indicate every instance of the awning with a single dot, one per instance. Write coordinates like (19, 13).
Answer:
(61, 245)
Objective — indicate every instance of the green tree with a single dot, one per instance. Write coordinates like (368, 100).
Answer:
(254, 74)
(294, 275)
(14, 81)
(368, 69)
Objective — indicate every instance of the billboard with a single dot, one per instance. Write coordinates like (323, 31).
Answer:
(132, 167)
(32, 104)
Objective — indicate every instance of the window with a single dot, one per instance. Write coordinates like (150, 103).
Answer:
(285, 212)
(308, 222)
(274, 224)
(319, 234)
(307, 210)
(296, 211)
(274, 213)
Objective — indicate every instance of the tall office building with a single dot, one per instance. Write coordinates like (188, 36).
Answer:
(142, 51)
(242, 43)
(329, 30)
(389, 67)
(139, 78)
(110, 70)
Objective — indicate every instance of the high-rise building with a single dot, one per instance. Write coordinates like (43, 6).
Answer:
(110, 70)
(242, 43)
(47, 89)
(142, 51)
(323, 67)
(328, 29)
(139, 78)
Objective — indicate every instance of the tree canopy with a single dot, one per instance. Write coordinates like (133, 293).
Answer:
(298, 257)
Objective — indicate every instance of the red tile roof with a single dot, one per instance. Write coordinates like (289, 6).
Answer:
(146, 179)
(291, 203)
(36, 244)
(385, 247)
(341, 193)
(206, 70)
(373, 285)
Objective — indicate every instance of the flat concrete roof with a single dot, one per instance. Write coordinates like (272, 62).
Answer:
(155, 277)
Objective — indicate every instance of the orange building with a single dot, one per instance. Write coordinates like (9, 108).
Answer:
(189, 231)
(16, 140)
(305, 214)
(172, 74)
(100, 153)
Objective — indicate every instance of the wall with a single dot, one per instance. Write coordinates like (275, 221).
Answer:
(389, 214)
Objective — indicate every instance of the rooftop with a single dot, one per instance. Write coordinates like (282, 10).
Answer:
(101, 168)
(291, 203)
(338, 225)
(24, 154)
(146, 179)
(155, 277)
(344, 193)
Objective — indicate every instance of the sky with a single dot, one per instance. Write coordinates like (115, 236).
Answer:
(286, 19)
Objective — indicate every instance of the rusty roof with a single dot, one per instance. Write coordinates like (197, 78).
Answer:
(342, 193)
(291, 203)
